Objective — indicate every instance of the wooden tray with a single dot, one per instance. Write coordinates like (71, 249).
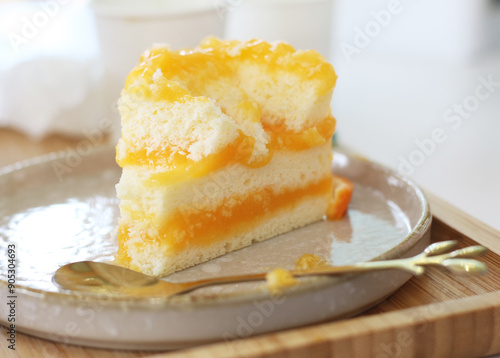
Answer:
(438, 315)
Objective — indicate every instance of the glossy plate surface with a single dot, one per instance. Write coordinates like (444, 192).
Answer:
(62, 208)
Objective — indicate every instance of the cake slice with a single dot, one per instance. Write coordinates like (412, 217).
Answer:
(222, 146)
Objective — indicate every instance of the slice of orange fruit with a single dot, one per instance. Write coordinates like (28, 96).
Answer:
(342, 192)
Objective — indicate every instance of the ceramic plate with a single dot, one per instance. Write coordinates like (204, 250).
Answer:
(62, 208)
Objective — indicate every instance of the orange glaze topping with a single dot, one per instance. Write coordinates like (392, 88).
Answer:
(187, 227)
(213, 60)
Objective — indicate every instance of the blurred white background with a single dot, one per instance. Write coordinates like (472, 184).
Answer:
(421, 94)
(418, 87)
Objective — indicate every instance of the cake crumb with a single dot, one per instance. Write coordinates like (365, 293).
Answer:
(157, 75)
(279, 279)
(342, 193)
(310, 261)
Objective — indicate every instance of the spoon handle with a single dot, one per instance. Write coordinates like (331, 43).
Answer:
(458, 261)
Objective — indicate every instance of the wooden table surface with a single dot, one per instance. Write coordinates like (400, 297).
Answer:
(437, 315)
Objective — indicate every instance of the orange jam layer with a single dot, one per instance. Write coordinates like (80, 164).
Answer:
(176, 167)
(188, 228)
(214, 59)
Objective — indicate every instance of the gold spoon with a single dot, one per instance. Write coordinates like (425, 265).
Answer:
(103, 278)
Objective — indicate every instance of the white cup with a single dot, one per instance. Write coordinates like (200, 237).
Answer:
(305, 24)
(126, 28)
